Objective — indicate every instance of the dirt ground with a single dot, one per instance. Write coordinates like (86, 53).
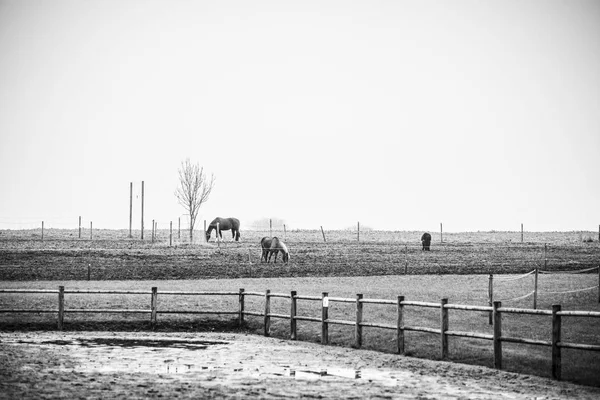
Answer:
(89, 365)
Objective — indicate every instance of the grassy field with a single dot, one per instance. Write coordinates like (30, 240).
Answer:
(382, 265)
(111, 255)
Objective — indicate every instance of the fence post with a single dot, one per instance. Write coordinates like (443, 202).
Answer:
(441, 233)
(497, 335)
(535, 289)
(284, 233)
(358, 231)
(293, 315)
(324, 317)
(556, 356)
(42, 231)
(323, 232)
(521, 232)
(153, 231)
(205, 238)
(153, 306)
(61, 307)
(400, 326)
(406, 259)
(358, 326)
(218, 236)
(241, 308)
(267, 312)
(170, 233)
(444, 328)
(80, 228)
(91, 231)
(490, 296)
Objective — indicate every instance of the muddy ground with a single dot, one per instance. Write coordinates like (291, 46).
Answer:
(72, 365)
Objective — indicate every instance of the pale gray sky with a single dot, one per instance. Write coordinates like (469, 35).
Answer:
(398, 114)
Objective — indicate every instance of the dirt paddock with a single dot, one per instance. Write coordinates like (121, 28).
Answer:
(128, 365)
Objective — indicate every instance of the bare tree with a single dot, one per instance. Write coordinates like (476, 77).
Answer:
(194, 189)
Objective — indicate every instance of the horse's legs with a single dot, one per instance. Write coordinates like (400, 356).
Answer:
(276, 252)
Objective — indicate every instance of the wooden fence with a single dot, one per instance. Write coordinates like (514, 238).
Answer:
(399, 325)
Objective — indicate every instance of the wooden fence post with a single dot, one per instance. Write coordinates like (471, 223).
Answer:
(80, 228)
(241, 308)
(91, 231)
(400, 326)
(267, 312)
(293, 311)
(324, 318)
(205, 238)
(406, 259)
(61, 307)
(284, 233)
(42, 231)
(323, 232)
(521, 232)
(358, 231)
(153, 231)
(441, 233)
(358, 326)
(170, 233)
(270, 227)
(444, 328)
(556, 356)
(153, 306)
(497, 335)
(490, 297)
(535, 289)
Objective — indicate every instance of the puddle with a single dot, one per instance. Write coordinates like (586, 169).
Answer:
(131, 343)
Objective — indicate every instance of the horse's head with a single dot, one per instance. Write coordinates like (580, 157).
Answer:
(207, 236)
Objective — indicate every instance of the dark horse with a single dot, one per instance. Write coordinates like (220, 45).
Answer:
(225, 224)
(273, 245)
(426, 240)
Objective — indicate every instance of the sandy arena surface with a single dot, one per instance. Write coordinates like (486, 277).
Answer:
(89, 365)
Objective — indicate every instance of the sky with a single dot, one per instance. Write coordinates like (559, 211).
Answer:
(400, 115)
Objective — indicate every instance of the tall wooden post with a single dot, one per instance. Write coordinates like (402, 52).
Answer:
(91, 231)
(178, 228)
(400, 326)
(293, 312)
(142, 234)
(153, 306)
(61, 307)
(497, 335)
(358, 231)
(556, 356)
(441, 233)
(267, 312)
(241, 308)
(130, 208)
(444, 328)
(323, 232)
(270, 227)
(521, 232)
(358, 326)
(152, 231)
(42, 231)
(80, 227)
(170, 233)
(324, 318)
(491, 296)
(535, 289)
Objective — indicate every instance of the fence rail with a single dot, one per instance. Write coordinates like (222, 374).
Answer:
(400, 325)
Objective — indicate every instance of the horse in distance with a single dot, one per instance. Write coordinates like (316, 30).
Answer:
(426, 241)
(224, 224)
(272, 246)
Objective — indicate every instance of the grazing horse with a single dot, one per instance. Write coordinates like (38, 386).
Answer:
(225, 224)
(273, 245)
(426, 240)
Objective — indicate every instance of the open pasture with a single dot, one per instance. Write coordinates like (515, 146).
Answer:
(111, 255)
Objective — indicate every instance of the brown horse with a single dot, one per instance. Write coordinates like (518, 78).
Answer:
(224, 224)
(273, 245)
